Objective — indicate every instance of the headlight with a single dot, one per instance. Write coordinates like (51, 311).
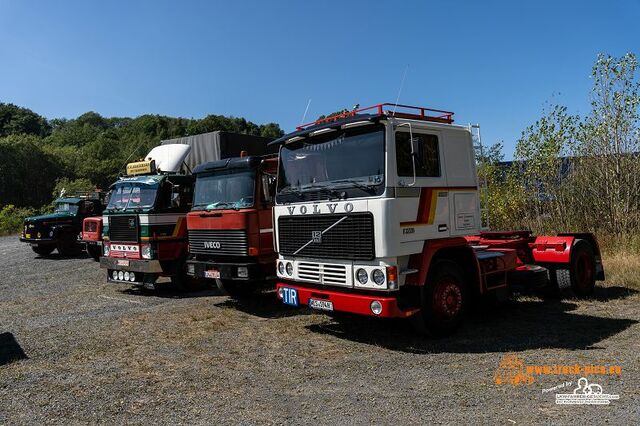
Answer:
(50, 234)
(362, 276)
(289, 268)
(145, 251)
(126, 276)
(378, 276)
(132, 276)
(281, 268)
(243, 272)
(106, 249)
(120, 275)
(114, 275)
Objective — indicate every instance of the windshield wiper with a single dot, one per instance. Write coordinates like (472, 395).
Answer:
(363, 186)
(291, 189)
(327, 189)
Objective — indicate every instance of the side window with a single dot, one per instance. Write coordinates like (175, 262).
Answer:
(427, 155)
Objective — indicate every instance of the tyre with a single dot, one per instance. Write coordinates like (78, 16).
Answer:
(68, 246)
(580, 277)
(445, 300)
(43, 250)
(235, 289)
(95, 252)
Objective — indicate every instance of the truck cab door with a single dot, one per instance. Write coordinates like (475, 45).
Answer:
(421, 176)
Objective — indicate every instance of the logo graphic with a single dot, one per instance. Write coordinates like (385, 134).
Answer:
(586, 393)
(212, 244)
(313, 235)
(512, 370)
(132, 223)
(316, 236)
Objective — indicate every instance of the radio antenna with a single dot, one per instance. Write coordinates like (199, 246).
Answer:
(404, 75)
(304, 116)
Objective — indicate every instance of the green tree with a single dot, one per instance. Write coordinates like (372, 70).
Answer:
(15, 120)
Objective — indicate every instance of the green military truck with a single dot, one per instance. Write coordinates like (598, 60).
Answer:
(60, 230)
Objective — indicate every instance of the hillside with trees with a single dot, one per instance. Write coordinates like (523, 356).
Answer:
(37, 154)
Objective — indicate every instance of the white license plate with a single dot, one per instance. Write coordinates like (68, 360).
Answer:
(212, 273)
(323, 305)
(122, 263)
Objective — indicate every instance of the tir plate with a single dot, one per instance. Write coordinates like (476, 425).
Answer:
(323, 305)
(290, 296)
(212, 273)
(122, 263)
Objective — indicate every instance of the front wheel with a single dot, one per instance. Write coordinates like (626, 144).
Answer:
(236, 289)
(95, 252)
(444, 300)
(68, 246)
(43, 250)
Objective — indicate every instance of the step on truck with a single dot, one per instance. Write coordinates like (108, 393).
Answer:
(60, 230)
(144, 227)
(230, 225)
(377, 213)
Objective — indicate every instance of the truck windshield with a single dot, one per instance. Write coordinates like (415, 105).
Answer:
(68, 208)
(223, 190)
(132, 195)
(341, 163)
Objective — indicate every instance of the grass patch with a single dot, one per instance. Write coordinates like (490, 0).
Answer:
(622, 269)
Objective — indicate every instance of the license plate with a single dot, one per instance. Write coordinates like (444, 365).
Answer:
(123, 263)
(323, 305)
(33, 244)
(212, 273)
(290, 296)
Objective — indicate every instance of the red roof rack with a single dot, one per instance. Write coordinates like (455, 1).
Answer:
(417, 113)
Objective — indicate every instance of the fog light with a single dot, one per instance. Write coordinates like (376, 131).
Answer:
(50, 233)
(191, 269)
(120, 275)
(126, 276)
(362, 276)
(376, 307)
(377, 276)
(243, 272)
(114, 275)
(281, 268)
(39, 235)
(289, 268)
(132, 277)
(281, 292)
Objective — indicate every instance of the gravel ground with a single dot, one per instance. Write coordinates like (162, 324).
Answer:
(76, 350)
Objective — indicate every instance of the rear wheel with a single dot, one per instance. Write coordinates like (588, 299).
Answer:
(581, 275)
(43, 250)
(444, 300)
(236, 289)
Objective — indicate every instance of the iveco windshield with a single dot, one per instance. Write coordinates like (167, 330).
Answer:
(132, 196)
(337, 164)
(223, 190)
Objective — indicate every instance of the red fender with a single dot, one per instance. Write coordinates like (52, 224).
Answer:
(552, 249)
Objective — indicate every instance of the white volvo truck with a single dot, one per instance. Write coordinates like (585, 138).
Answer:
(377, 213)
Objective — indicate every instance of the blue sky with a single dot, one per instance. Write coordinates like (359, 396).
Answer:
(492, 62)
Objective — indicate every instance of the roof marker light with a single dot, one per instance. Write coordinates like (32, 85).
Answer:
(356, 124)
(322, 131)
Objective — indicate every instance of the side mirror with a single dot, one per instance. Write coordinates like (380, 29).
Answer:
(267, 182)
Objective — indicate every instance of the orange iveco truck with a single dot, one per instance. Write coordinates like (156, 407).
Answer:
(230, 225)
